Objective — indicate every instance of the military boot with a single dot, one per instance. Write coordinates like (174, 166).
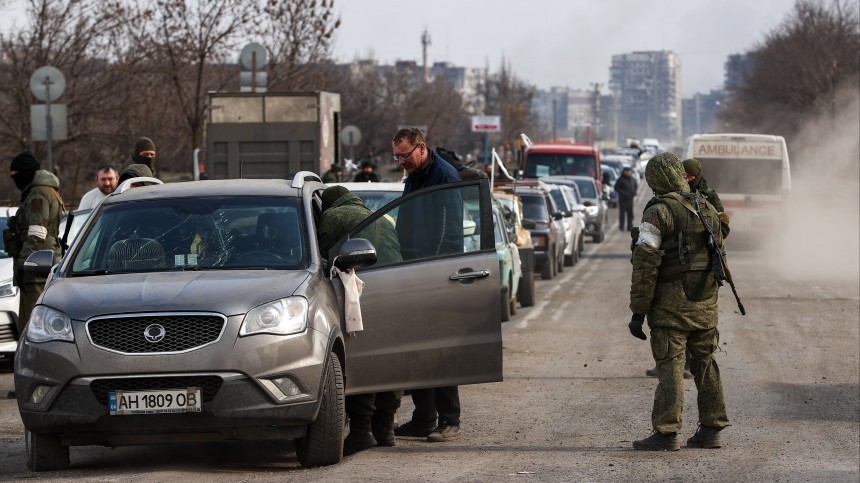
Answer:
(383, 430)
(658, 442)
(360, 437)
(706, 437)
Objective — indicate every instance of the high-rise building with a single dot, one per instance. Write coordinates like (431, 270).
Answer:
(646, 88)
(700, 113)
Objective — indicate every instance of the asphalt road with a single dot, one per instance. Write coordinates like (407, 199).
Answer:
(575, 396)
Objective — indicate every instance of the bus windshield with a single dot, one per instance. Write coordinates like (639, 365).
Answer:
(747, 176)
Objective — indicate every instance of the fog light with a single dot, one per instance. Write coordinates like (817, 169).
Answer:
(287, 386)
(283, 388)
(39, 394)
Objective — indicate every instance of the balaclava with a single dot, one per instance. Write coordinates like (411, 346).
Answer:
(26, 166)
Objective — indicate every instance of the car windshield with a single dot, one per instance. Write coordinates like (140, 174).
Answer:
(193, 234)
(559, 198)
(586, 188)
(534, 208)
(539, 165)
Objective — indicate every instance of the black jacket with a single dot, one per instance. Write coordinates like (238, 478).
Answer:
(625, 186)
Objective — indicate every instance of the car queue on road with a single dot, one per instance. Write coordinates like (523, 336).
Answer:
(106, 310)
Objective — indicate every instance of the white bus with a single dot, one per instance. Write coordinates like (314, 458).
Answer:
(750, 173)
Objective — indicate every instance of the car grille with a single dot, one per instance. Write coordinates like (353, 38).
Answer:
(179, 332)
(8, 333)
(209, 385)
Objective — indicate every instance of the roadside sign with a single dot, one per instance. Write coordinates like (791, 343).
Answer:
(350, 135)
(486, 123)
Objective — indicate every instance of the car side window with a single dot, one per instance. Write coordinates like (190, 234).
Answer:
(438, 222)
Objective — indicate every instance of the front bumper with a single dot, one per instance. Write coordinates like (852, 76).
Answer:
(245, 405)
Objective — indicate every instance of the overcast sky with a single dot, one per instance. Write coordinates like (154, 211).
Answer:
(548, 42)
(559, 42)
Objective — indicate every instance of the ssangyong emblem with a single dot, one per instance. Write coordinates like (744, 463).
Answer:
(154, 333)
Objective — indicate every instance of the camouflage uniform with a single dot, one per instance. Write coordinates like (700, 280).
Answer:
(338, 218)
(36, 227)
(673, 283)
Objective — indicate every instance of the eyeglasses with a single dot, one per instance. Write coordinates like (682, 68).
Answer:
(403, 156)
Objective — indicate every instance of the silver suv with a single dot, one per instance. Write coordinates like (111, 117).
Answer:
(204, 311)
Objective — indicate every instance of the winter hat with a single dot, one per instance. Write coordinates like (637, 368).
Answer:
(135, 171)
(332, 194)
(694, 167)
(142, 144)
(25, 162)
(25, 165)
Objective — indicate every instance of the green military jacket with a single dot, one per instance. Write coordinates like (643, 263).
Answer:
(714, 199)
(37, 222)
(344, 215)
(686, 302)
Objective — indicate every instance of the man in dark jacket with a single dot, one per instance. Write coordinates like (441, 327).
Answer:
(367, 174)
(134, 171)
(143, 153)
(371, 416)
(625, 186)
(427, 229)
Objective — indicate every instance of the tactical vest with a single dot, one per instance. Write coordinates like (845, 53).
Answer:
(686, 249)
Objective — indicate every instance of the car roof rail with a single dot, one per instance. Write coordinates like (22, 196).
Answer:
(302, 176)
(125, 185)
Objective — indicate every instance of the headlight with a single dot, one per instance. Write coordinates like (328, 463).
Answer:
(47, 324)
(282, 317)
(7, 289)
(591, 210)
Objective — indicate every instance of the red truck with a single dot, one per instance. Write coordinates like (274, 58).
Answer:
(562, 158)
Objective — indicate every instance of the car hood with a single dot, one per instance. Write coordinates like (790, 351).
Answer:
(225, 292)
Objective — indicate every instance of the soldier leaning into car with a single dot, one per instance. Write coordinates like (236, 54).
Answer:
(36, 226)
(371, 416)
(679, 296)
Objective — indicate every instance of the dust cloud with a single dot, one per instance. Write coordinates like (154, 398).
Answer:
(820, 237)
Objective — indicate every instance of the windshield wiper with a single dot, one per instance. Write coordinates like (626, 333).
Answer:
(91, 273)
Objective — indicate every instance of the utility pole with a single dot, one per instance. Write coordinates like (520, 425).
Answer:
(595, 109)
(425, 43)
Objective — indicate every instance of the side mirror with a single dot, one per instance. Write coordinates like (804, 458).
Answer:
(568, 213)
(557, 215)
(355, 253)
(38, 264)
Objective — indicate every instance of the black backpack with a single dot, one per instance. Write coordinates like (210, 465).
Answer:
(466, 171)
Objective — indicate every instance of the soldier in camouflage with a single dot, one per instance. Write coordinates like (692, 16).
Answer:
(674, 285)
(693, 170)
(371, 416)
(36, 226)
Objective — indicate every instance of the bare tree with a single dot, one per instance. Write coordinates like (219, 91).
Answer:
(298, 35)
(511, 98)
(64, 35)
(799, 69)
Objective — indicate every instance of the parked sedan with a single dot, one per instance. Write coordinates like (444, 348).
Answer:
(510, 267)
(574, 225)
(203, 311)
(543, 219)
(9, 295)
(513, 208)
(596, 210)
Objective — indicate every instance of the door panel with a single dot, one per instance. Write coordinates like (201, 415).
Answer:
(425, 326)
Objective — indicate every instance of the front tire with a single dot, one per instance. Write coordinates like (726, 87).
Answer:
(548, 270)
(322, 444)
(45, 452)
(526, 292)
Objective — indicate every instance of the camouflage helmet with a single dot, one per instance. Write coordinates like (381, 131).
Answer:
(665, 174)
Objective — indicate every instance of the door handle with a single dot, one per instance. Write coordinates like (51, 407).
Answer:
(470, 275)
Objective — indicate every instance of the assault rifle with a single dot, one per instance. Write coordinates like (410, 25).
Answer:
(721, 268)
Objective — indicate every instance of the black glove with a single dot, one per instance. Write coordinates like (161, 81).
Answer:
(635, 326)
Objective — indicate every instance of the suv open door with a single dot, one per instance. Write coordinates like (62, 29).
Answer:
(432, 320)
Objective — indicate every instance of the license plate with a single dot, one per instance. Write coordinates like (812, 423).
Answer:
(154, 402)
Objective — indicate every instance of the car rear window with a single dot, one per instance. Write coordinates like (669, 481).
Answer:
(539, 165)
(534, 208)
(586, 188)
